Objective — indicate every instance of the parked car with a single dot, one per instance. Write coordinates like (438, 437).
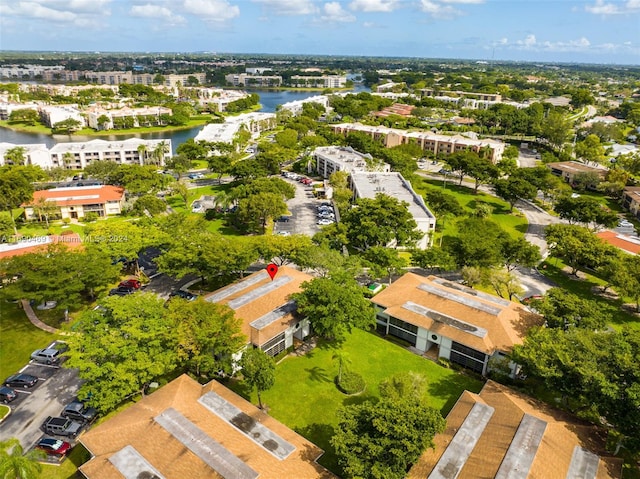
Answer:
(625, 224)
(61, 426)
(181, 293)
(7, 394)
(46, 356)
(445, 172)
(21, 380)
(325, 222)
(196, 176)
(53, 447)
(130, 283)
(77, 411)
(121, 291)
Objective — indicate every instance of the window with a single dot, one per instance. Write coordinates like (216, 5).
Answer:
(467, 357)
(403, 330)
(275, 345)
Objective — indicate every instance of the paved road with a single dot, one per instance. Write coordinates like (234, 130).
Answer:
(303, 208)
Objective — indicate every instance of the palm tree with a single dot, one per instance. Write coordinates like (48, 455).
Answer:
(159, 152)
(142, 151)
(67, 159)
(15, 464)
(342, 358)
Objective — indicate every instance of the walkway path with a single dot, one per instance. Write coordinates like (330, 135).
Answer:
(36, 321)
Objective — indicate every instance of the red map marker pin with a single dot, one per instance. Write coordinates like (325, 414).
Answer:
(272, 269)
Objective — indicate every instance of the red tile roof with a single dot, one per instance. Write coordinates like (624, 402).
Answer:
(39, 243)
(81, 195)
(623, 242)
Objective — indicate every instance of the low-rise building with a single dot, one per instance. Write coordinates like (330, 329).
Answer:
(502, 433)
(76, 202)
(567, 170)
(268, 315)
(628, 244)
(246, 80)
(186, 430)
(102, 119)
(52, 114)
(443, 319)
(295, 107)
(323, 81)
(631, 200)
(217, 98)
(330, 159)
(254, 123)
(77, 155)
(38, 244)
(432, 142)
(35, 154)
(368, 185)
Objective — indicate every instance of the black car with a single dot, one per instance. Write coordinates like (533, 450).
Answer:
(7, 394)
(181, 293)
(79, 412)
(121, 291)
(21, 381)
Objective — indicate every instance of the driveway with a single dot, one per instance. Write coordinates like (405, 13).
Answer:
(303, 209)
(56, 387)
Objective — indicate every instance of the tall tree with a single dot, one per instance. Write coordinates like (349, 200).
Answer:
(15, 190)
(513, 189)
(385, 261)
(14, 464)
(15, 156)
(258, 370)
(382, 440)
(257, 210)
(556, 128)
(576, 246)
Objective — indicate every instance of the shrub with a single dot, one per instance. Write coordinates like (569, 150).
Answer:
(90, 216)
(351, 383)
(66, 221)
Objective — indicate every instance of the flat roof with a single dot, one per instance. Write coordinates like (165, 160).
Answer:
(575, 167)
(368, 185)
(104, 145)
(173, 432)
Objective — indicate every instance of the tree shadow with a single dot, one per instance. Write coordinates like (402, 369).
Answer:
(318, 374)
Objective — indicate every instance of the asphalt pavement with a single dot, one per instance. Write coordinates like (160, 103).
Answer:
(303, 209)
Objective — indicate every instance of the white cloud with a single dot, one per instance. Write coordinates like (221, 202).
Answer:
(374, 5)
(157, 12)
(531, 43)
(214, 11)
(289, 7)
(438, 10)
(466, 2)
(75, 12)
(334, 13)
(602, 8)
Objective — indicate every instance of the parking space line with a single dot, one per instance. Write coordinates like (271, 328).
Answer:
(22, 391)
(52, 366)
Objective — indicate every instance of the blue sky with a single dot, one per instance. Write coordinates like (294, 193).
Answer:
(591, 31)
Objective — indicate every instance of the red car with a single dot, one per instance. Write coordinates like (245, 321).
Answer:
(130, 283)
(53, 447)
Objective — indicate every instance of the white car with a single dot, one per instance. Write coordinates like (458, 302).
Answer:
(325, 222)
(625, 224)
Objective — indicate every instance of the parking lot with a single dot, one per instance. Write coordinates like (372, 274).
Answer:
(303, 209)
(56, 387)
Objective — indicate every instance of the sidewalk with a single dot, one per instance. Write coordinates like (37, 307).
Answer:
(36, 322)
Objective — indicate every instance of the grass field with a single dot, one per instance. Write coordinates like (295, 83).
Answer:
(18, 339)
(306, 399)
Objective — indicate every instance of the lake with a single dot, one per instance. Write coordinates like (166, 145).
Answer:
(269, 99)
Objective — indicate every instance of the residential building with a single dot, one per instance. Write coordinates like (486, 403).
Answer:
(35, 154)
(631, 200)
(77, 155)
(52, 114)
(186, 430)
(567, 170)
(323, 81)
(37, 244)
(75, 202)
(502, 433)
(7, 108)
(428, 141)
(390, 85)
(219, 98)
(268, 315)
(244, 79)
(295, 107)
(254, 123)
(102, 119)
(368, 185)
(443, 319)
(430, 92)
(28, 71)
(330, 159)
(628, 244)
(400, 109)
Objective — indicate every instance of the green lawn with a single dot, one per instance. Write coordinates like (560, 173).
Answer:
(513, 223)
(68, 469)
(18, 339)
(306, 399)
(552, 269)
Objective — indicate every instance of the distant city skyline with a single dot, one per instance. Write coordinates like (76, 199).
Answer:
(593, 31)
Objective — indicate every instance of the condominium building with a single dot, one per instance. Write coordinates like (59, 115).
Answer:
(34, 154)
(244, 79)
(217, 98)
(631, 200)
(120, 77)
(567, 170)
(52, 114)
(102, 119)
(28, 71)
(254, 123)
(324, 81)
(77, 155)
(295, 107)
(432, 142)
(430, 92)
(368, 185)
(76, 202)
(330, 159)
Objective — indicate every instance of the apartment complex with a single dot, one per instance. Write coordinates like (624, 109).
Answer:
(368, 185)
(102, 119)
(248, 80)
(330, 159)
(217, 98)
(631, 200)
(437, 144)
(28, 71)
(187, 430)
(34, 154)
(268, 315)
(295, 107)
(52, 114)
(76, 202)
(324, 81)
(446, 320)
(567, 170)
(502, 433)
(119, 77)
(254, 123)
